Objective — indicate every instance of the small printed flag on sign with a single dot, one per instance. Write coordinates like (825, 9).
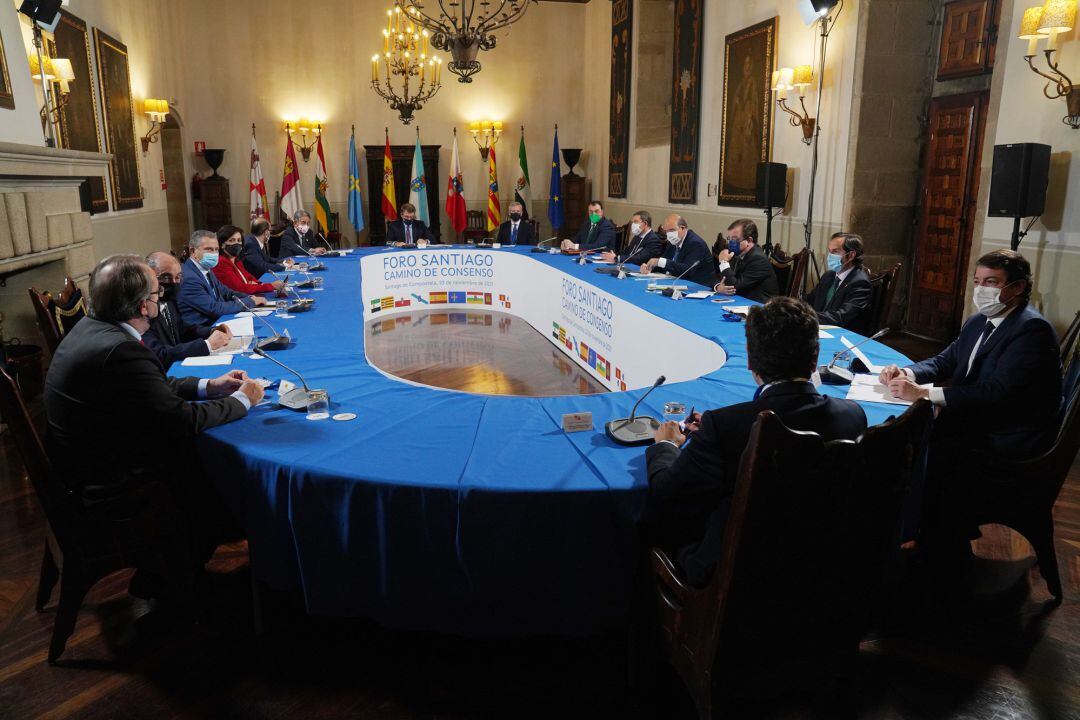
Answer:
(591, 359)
(419, 299)
(437, 297)
(583, 351)
(387, 303)
(376, 305)
(456, 297)
(487, 298)
(403, 302)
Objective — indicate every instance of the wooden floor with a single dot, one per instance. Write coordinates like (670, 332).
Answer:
(476, 351)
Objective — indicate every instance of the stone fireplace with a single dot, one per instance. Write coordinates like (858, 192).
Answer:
(45, 233)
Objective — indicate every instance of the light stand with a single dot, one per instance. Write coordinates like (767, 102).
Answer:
(50, 131)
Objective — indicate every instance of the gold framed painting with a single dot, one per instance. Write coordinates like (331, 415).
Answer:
(746, 130)
(114, 80)
(7, 97)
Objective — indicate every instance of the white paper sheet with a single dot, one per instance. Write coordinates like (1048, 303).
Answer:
(822, 335)
(642, 276)
(857, 352)
(208, 360)
(700, 294)
(740, 309)
(241, 325)
(247, 313)
(867, 389)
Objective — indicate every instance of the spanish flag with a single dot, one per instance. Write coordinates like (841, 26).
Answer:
(389, 199)
(494, 212)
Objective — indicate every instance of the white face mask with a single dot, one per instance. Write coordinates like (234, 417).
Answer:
(988, 300)
(635, 229)
(673, 237)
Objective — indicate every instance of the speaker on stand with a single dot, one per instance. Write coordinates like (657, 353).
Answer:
(771, 193)
(1018, 182)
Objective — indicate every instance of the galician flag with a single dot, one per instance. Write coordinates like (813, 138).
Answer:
(389, 199)
(322, 205)
(555, 200)
(259, 205)
(290, 183)
(356, 197)
(418, 184)
(455, 192)
(494, 212)
(522, 188)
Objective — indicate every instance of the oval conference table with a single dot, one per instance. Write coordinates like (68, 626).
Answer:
(464, 513)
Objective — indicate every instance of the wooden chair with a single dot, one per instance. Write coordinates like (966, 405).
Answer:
(1068, 341)
(622, 239)
(535, 224)
(89, 548)
(810, 527)
(475, 226)
(791, 273)
(56, 316)
(883, 287)
(49, 329)
(1026, 502)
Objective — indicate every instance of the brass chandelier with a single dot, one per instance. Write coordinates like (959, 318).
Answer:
(405, 60)
(464, 27)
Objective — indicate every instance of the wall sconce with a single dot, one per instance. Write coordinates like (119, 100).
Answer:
(1048, 21)
(487, 129)
(158, 110)
(305, 127)
(59, 72)
(798, 79)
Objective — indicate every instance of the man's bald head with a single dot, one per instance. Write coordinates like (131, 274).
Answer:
(163, 263)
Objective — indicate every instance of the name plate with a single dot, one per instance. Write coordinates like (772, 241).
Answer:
(285, 387)
(577, 422)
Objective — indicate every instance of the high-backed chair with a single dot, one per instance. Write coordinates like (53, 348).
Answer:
(806, 541)
(89, 548)
(56, 316)
(791, 274)
(535, 224)
(882, 289)
(475, 226)
(49, 329)
(1068, 340)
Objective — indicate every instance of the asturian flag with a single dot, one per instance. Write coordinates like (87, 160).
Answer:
(389, 198)
(455, 192)
(418, 184)
(322, 205)
(291, 201)
(356, 197)
(555, 200)
(522, 188)
(259, 206)
(494, 212)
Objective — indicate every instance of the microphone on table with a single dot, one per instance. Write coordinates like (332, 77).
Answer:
(541, 248)
(832, 375)
(635, 430)
(584, 254)
(330, 251)
(672, 288)
(276, 341)
(302, 304)
(297, 398)
(318, 263)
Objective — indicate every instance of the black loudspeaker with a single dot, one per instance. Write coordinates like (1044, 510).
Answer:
(1018, 180)
(771, 185)
(45, 13)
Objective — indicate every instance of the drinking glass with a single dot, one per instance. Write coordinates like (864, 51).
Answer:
(318, 405)
(317, 280)
(281, 308)
(674, 411)
(302, 267)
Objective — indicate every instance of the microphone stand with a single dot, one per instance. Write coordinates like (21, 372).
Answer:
(676, 294)
(633, 251)
(832, 375)
(635, 430)
(295, 399)
(275, 342)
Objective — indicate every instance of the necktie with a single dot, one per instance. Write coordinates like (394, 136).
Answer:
(513, 234)
(592, 230)
(166, 317)
(408, 235)
(832, 291)
(986, 333)
(675, 255)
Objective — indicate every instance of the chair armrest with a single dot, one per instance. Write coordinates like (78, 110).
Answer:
(664, 571)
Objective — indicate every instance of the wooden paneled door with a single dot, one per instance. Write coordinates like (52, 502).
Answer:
(968, 38)
(947, 212)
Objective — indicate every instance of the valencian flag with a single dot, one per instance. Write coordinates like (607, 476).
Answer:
(291, 201)
(389, 199)
(494, 212)
(555, 201)
(259, 206)
(455, 189)
(322, 205)
(418, 184)
(522, 188)
(356, 198)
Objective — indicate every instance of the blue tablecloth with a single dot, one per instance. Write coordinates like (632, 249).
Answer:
(449, 511)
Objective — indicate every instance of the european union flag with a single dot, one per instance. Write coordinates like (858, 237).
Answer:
(555, 199)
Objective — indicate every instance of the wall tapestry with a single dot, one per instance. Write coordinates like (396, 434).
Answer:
(622, 21)
(685, 101)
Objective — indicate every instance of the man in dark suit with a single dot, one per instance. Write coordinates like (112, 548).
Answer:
(169, 337)
(256, 254)
(299, 239)
(202, 298)
(644, 243)
(406, 230)
(843, 295)
(1003, 397)
(690, 488)
(686, 255)
(516, 230)
(749, 274)
(105, 386)
(598, 233)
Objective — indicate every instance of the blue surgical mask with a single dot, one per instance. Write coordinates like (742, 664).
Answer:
(733, 246)
(835, 262)
(209, 260)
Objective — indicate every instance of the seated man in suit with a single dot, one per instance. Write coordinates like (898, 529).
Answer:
(1002, 402)
(644, 243)
(256, 253)
(747, 273)
(202, 298)
(406, 230)
(690, 488)
(598, 233)
(104, 386)
(843, 295)
(686, 256)
(516, 230)
(299, 239)
(169, 336)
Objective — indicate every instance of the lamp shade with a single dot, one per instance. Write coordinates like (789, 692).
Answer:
(1029, 26)
(149, 106)
(63, 70)
(786, 76)
(803, 75)
(35, 68)
(1058, 16)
